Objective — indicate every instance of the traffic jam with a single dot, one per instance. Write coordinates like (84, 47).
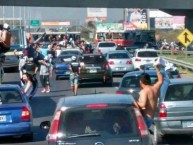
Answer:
(151, 100)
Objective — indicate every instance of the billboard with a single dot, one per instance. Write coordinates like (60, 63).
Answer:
(56, 23)
(109, 27)
(135, 19)
(96, 14)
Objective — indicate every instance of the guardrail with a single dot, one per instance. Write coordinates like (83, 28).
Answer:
(180, 52)
(180, 63)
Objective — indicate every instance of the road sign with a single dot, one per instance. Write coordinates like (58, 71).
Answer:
(186, 37)
(35, 22)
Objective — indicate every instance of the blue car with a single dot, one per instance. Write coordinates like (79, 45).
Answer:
(15, 113)
(61, 66)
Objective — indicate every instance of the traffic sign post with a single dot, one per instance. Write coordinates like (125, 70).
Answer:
(186, 38)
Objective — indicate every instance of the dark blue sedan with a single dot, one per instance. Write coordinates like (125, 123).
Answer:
(15, 113)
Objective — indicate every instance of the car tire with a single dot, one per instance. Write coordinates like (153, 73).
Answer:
(109, 83)
(57, 77)
(157, 136)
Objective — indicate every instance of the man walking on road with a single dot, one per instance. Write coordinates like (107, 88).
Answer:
(148, 96)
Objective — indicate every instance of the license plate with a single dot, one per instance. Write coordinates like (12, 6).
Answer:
(187, 124)
(67, 72)
(93, 70)
(2, 118)
(119, 68)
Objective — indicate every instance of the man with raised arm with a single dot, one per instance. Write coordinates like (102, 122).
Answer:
(148, 96)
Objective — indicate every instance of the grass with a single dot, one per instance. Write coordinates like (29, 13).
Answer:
(188, 59)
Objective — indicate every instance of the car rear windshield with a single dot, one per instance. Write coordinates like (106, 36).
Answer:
(133, 82)
(65, 59)
(114, 122)
(179, 92)
(147, 54)
(118, 56)
(106, 44)
(93, 59)
(10, 96)
(70, 52)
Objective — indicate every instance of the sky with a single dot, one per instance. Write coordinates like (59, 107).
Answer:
(56, 14)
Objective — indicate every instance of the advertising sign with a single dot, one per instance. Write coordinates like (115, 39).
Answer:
(56, 23)
(109, 27)
(135, 19)
(96, 14)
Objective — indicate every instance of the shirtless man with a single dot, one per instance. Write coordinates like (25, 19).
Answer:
(148, 96)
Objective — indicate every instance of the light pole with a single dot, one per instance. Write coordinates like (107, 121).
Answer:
(13, 16)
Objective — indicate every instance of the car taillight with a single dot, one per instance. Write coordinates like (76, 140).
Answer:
(128, 62)
(141, 123)
(119, 92)
(97, 106)
(25, 114)
(53, 134)
(106, 65)
(137, 59)
(99, 50)
(162, 111)
(111, 62)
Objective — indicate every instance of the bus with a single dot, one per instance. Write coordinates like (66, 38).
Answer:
(126, 38)
(19, 43)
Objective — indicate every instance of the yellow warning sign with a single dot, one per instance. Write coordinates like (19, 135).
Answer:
(186, 37)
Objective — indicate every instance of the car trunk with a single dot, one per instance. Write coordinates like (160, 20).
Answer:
(106, 141)
(179, 105)
(10, 113)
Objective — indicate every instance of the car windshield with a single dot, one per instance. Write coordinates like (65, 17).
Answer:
(118, 56)
(10, 96)
(147, 54)
(70, 52)
(113, 121)
(106, 44)
(92, 59)
(180, 92)
(133, 81)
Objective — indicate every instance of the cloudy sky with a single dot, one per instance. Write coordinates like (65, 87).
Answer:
(56, 14)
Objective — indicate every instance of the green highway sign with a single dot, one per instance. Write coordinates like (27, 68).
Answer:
(35, 22)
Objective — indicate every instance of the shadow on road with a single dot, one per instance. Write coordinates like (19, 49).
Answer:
(42, 106)
(177, 140)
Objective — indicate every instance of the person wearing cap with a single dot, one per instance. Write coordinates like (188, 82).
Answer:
(74, 69)
(45, 74)
(5, 38)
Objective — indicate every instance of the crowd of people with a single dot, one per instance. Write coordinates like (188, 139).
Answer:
(33, 61)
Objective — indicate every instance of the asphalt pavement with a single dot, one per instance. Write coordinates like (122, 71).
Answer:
(43, 106)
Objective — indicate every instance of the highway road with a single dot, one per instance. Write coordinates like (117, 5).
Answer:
(43, 106)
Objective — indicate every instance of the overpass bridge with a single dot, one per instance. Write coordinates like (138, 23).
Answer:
(174, 7)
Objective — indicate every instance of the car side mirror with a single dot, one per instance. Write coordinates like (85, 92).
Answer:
(45, 125)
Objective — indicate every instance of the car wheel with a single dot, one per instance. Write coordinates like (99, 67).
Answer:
(109, 83)
(157, 136)
(57, 77)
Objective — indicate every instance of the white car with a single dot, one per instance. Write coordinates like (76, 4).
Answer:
(105, 46)
(143, 57)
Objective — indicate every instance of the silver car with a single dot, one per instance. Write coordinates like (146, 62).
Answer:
(120, 61)
(174, 114)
